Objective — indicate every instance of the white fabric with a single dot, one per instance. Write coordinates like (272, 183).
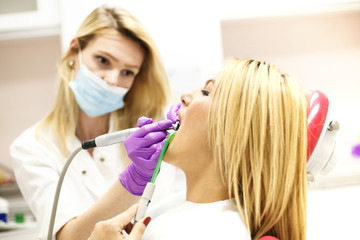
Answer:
(176, 219)
(37, 168)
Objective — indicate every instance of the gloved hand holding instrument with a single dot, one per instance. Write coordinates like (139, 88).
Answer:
(143, 144)
(146, 148)
(143, 147)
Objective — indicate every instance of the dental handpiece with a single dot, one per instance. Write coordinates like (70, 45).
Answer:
(116, 137)
(150, 186)
(145, 201)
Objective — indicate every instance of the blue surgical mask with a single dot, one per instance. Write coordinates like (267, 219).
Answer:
(94, 96)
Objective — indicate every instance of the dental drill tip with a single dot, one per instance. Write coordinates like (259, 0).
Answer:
(173, 128)
(176, 126)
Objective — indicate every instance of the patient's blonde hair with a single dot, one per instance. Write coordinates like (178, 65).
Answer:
(148, 95)
(257, 129)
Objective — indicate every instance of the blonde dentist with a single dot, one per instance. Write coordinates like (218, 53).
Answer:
(112, 55)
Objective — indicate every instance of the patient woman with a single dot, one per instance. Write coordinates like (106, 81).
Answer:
(242, 146)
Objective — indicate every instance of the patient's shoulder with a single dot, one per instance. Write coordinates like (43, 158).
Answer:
(216, 220)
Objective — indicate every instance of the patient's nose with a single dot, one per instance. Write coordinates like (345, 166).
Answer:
(185, 99)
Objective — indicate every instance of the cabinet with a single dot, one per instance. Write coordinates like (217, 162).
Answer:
(28, 18)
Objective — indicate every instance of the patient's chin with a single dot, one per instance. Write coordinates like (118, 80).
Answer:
(173, 153)
(170, 154)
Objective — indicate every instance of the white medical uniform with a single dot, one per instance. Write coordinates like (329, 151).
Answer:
(189, 220)
(37, 168)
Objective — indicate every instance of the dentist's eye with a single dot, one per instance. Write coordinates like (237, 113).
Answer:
(128, 73)
(102, 60)
(205, 92)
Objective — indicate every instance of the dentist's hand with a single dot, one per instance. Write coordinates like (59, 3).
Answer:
(112, 229)
(143, 148)
(172, 114)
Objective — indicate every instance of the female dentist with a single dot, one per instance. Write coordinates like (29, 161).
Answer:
(110, 76)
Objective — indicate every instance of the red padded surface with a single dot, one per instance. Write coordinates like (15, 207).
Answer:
(318, 105)
(268, 238)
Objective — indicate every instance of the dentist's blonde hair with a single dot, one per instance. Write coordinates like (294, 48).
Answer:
(149, 93)
(257, 129)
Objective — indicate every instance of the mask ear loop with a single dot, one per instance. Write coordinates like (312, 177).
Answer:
(72, 75)
(72, 63)
(80, 63)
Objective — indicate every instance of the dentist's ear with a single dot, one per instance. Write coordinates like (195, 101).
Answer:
(73, 52)
(74, 46)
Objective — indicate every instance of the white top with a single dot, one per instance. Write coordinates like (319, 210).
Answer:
(188, 220)
(37, 168)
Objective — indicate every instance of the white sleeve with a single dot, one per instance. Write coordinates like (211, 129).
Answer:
(37, 170)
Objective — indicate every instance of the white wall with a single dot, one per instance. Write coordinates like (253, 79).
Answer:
(321, 50)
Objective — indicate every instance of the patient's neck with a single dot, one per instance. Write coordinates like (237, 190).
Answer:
(205, 186)
(203, 181)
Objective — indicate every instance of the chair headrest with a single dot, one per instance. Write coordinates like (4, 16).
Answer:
(318, 105)
(321, 135)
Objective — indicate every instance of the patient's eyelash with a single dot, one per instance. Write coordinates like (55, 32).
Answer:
(205, 92)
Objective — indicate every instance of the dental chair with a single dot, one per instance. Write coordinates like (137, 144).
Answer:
(321, 134)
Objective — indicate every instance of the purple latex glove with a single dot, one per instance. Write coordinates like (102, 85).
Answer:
(143, 148)
(172, 114)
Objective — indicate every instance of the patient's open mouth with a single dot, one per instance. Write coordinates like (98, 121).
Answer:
(176, 125)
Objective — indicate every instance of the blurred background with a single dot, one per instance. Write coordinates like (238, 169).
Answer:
(317, 41)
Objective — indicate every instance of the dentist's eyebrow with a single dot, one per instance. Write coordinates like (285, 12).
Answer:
(109, 55)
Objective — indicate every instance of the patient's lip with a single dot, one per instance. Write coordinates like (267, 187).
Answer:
(179, 116)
